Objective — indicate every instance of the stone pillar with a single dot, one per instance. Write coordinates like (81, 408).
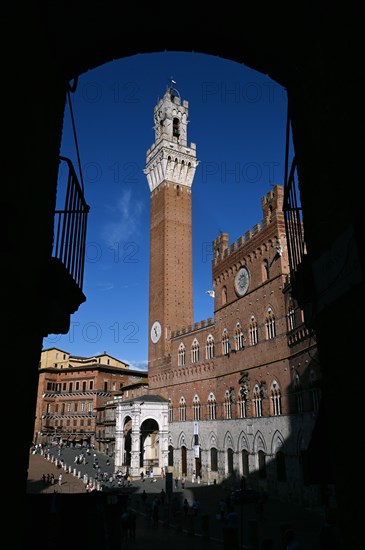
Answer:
(163, 448)
(119, 439)
(135, 452)
(136, 432)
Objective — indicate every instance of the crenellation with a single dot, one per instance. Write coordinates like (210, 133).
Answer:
(222, 249)
(272, 202)
(240, 241)
(266, 222)
(186, 329)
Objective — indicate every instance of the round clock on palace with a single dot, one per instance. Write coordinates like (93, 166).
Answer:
(156, 332)
(242, 280)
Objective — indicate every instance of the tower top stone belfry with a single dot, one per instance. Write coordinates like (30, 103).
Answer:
(170, 158)
(170, 169)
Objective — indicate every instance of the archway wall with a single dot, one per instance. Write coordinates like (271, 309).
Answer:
(80, 39)
(314, 52)
(231, 439)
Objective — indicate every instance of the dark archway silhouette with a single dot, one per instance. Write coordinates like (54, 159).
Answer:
(314, 52)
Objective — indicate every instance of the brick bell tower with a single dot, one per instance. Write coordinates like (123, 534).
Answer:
(170, 169)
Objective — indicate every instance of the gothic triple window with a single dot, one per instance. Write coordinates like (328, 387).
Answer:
(181, 355)
(253, 331)
(212, 407)
(225, 343)
(196, 407)
(195, 351)
(239, 339)
(257, 400)
(210, 347)
(242, 406)
(291, 315)
(182, 409)
(276, 399)
(227, 405)
(270, 324)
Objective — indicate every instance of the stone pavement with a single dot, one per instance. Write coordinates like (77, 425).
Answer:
(70, 515)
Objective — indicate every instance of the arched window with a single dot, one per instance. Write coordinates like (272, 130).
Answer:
(253, 331)
(239, 339)
(265, 270)
(170, 412)
(226, 347)
(214, 459)
(298, 393)
(224, 295)
(227, 405)
(230, 455)
(262, 464)
(291, 315)
(270, 325)
(170, 458)
(242, 402)
(212, 407)
(176, 127)
(276, 399)
(195, 351)
(257, 400)
(210, 347)
(245, 467)
(315, 392)
(196, 407)
(181, 355)
(182, 409)
(280, 466)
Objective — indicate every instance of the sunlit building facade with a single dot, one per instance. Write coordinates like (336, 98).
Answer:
(236, 395)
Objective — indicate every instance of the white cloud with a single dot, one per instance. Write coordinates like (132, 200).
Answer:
(137, 365)
(127, 213)
(105, 286)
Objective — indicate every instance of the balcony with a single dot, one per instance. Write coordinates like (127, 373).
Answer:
(300, 277)
(63, 283)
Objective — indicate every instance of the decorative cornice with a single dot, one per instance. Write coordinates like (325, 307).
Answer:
(169, 162)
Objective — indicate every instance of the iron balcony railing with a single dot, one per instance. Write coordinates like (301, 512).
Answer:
(70, 227)
(294, 221)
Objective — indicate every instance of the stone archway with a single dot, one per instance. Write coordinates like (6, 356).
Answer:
(149, 446)
(141, 435)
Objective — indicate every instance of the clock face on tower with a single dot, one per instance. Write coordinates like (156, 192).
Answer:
(156, 332)
(241, 281)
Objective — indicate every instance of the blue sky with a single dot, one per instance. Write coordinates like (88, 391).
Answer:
(237, 120)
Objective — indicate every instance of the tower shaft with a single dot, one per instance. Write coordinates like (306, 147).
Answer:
(170, 169)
